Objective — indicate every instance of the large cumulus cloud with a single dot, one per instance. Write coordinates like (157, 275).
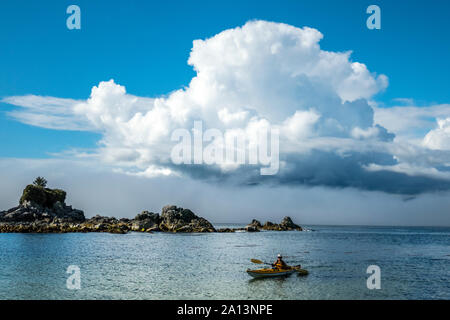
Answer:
(260, 74)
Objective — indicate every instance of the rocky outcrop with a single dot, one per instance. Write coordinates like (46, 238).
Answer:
(254, 226)
(42, 204)
(174, 219)
(285, 225)
(226, 230)
(41, 196)
(62, 226)
(106, 224)
(268, 225)
(44, 210)
(288, 224)
(146, 221)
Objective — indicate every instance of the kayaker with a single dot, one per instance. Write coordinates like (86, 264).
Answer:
(279, 264)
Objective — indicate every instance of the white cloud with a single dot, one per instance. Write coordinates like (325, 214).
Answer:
(405, 101)
(300, 125)
(262, 72)
(368, 133)
(411, 123)
(229, 118)
(48, 112)
(439, 138)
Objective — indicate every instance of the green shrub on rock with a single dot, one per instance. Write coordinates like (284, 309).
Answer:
(40, 182)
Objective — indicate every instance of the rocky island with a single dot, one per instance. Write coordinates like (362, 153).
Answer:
(285, 225)
(43, 210)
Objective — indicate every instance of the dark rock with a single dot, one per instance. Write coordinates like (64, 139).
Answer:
(153, 229)
(174, 219)
(271, 226)
(251, 228)
(225, 230)
(146, 220)
(287, 224)
(268, 224)
(41, 196)
(43, 210)
(145, 215)
(39, 204)
(255, 223)
(98, 219)
(254, 226)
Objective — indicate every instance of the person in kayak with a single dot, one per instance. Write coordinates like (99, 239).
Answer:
(279, 264)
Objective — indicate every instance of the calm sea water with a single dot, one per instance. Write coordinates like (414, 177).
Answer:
(414, 262)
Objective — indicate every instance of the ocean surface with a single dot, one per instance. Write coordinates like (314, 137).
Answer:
(414, 264)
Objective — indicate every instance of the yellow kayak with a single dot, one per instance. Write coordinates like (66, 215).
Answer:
(271, 272)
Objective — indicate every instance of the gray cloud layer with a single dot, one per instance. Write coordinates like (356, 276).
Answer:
(99, 191)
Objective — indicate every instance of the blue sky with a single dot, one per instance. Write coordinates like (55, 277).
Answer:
(145, 46)
(368, 130)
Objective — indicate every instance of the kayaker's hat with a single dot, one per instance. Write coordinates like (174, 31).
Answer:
(279, 256)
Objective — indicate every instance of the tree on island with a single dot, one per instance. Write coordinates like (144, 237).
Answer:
(40, 182)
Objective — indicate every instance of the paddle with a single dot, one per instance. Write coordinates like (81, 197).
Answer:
(259, 261)
(297, 268)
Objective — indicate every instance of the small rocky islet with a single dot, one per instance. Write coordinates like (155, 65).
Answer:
(43, 210)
